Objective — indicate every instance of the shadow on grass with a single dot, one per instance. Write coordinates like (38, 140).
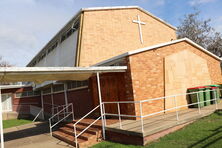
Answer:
(216, 131)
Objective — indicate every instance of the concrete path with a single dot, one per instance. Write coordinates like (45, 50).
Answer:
(34, 135)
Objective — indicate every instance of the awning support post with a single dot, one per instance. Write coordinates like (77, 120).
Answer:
(1, 122)
(101, 104)
(43, 116)
(66, 97)
(52, 111)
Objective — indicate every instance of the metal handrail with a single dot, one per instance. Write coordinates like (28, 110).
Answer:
(154, 99)
(166, 97)
(60, 110)
(66, 107)
(87, 114)
(74, 125)
(37, 115)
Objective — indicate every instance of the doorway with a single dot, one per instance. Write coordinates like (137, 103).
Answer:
(6, 102)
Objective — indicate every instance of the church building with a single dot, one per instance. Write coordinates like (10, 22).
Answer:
(158, 64)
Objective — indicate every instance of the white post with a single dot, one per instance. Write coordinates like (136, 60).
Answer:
(50, 127)
(215, 98)
(73, 115)
(42, 105)
(1, 122)
(65, 94)
(52, 100)
(198, 99)
(75, 136)
(175, 102)
(57, 112)
(104, 112)
(101, 106)
(120, 122)
(141, 116)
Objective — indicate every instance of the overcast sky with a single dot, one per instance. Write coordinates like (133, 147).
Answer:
(27, 25)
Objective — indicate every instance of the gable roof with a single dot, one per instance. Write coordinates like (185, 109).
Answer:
(77, 15)
(159, 46)
(129, 7)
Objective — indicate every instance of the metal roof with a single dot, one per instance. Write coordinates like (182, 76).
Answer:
(41, 74)
(96, 9)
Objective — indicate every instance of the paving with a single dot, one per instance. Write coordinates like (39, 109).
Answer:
(34, 135)
(37, 135)
(162, 122)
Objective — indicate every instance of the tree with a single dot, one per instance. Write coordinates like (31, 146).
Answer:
(215, 45)
(4, 63)
(200, 31)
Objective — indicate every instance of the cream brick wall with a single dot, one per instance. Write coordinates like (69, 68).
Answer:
(107, 33)
(147, 71)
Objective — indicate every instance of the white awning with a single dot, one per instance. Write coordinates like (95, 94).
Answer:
(41, 74)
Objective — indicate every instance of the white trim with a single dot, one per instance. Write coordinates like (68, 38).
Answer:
(158, 46)
(78, 88)
(58, 70)
(58, 92)
(14, 86)
(27, 96)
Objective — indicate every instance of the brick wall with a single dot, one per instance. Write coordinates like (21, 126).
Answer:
(82, 101)
(21, 105)
(47, 101)
(59, 98)
(147, 73)
(107, 33)
(114, 87)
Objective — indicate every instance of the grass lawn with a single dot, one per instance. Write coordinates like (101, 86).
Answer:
(14, 122)
(206, 132)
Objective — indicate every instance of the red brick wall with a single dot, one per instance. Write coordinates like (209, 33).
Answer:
(114, 87)
(47, 101)
(22, 104)
(82, 101)
(59, 98)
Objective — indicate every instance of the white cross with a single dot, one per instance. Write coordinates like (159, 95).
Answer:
(140, 29)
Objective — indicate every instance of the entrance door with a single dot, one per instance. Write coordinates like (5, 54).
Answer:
(6, 102)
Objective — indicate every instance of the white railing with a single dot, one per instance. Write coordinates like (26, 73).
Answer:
(176, 106)
(56, 108)
(65, 112)
(119, 115)
(37, 115)
(74, 125)
(52, 106)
